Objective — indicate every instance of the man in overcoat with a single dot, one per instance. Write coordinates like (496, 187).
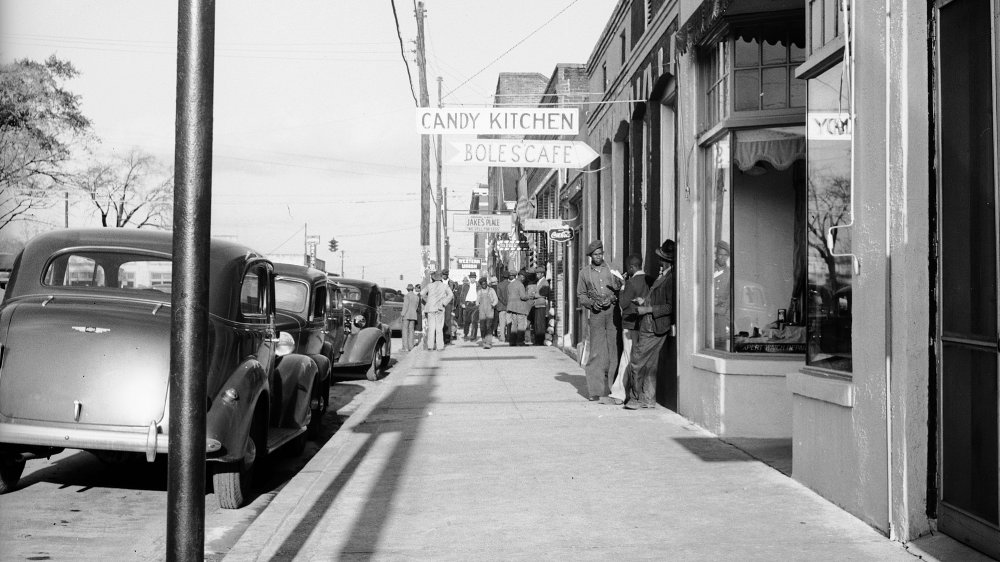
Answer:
(597, 291)
(656, 317)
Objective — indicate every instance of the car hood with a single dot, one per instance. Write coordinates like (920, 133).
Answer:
(86, 361)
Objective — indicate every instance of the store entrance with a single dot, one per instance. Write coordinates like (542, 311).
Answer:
(967, 346)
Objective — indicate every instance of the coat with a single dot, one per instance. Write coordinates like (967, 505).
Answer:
(661, 299)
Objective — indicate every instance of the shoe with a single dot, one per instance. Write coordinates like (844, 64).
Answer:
(594, 398)
(611, 401)
(487, 346)
(632, 406)
(649, 405)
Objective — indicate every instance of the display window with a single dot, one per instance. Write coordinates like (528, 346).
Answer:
(756, 234)
(830, 268)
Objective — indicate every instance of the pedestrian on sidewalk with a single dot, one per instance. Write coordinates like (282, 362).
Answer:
(518, 306)
(656, 317)
(540, 307)
(531, 288)
(486, 299)
(636, 286)
(597, 291)
(438, 296)
(503, 319)
(465, 304)
(409, 313)
(450, 328)
(496, 308)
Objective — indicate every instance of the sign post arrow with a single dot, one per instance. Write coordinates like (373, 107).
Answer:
(522, 153)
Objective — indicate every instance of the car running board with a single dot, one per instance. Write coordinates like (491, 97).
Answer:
(278, 436)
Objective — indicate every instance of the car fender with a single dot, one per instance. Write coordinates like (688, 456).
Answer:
(359, 349)
(229, 420)
(322, 366)
(296, 375)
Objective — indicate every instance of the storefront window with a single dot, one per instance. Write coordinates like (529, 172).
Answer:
(829, 297)
(757, 225)
(765, 74)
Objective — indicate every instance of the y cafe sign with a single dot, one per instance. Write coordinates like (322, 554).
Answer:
(829, 125)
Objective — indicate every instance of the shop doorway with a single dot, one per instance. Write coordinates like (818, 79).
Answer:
(968, 428)
(663, 222)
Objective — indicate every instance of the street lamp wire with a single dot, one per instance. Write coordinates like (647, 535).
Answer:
(402, 52)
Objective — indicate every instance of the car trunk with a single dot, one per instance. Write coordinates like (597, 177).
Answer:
(86, 362)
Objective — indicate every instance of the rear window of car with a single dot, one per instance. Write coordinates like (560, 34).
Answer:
(392, 295)
(291, 296)
(111, 270)
(353, 294)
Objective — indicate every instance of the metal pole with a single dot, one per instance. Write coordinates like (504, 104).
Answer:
(189, 300)
(441, 230)
(425, 143)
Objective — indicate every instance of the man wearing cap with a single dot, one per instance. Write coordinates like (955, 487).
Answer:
(467, 300)
(597, 291)
(656, 317)
(409, 316)
(437, 296)
(501, 320)
(722, 296)
(518, 306)
(540, 306)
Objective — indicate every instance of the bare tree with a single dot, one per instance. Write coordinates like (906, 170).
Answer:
(829, 206)
(38, 121)
(133, 190)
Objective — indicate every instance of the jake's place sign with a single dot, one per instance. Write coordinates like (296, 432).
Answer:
(481, 223)
(498, 121)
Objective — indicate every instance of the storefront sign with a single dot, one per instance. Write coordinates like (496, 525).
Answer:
(498, 121)
(829, 125)
(564, 234)
(541, 225)
(522, 154)
(508, 245)
(473, 264)
(525, 209)
(482, 223)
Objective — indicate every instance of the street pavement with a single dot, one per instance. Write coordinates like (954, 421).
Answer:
(497, 454)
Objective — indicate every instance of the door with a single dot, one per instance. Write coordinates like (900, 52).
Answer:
(969, 473)
(663, 143)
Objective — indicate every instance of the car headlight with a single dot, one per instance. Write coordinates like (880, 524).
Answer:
(359, 320)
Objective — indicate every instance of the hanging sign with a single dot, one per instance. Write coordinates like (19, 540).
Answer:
(541, 225)
(829, 125)
(564, 234)
(498, 121)
(503, 153)
(482, 223)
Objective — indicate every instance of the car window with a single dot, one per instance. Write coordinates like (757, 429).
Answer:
(352, 294)
(291, 296)
(320, 302)
(113, 270)
(254, 296)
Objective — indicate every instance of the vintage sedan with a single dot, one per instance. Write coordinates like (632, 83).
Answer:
(85, 344)
(370, 341)
(392, 309)
(309, 311)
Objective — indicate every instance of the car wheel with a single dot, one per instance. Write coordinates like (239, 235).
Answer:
(322, 403)
(10, 473)
(232, 481)
(378, 362)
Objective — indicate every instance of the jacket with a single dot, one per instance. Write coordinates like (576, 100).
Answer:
(410, 303)
(636, 286)
(661, 299)
(517, 301)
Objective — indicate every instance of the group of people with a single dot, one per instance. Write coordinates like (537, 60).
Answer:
(645, 302)
(513, 309)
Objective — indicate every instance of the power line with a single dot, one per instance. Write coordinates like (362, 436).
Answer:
(402, 52)
(516, 45)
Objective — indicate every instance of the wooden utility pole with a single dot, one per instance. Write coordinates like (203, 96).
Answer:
(440, 215)
(425, 143)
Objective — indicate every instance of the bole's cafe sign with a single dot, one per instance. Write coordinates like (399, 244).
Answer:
(482, 223)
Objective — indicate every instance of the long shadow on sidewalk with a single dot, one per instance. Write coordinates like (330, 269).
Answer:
(364, 535)
(579, 382)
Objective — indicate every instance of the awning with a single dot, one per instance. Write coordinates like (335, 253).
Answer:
(780, 147)
(700, 23)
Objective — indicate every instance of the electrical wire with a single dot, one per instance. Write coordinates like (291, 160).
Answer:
(516, 45)
(402, 52)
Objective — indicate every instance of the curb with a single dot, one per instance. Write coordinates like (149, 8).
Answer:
(257, 538)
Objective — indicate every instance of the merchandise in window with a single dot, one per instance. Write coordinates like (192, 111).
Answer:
(756, 228)
(830, 272)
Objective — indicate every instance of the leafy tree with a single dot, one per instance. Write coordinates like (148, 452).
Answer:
(39, 119)
(131, 190)
(333, 245)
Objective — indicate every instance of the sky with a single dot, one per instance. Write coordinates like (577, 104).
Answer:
(314, 127)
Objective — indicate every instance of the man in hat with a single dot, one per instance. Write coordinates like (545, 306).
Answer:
(597, 291)
(450, 326)
(722, 296)
(518, 306)
(656, 317)
(437, 296)
(409, 315)
(637, 285)
(539, 307)
(501, 318)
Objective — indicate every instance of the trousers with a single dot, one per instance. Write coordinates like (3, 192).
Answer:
(435, 330)
(642, 366)
(603, 344)
(628, 339)
(408, 326)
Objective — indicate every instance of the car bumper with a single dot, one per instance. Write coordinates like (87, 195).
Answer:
(151, 440)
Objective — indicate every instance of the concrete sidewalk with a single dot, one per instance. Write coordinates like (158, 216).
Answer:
(497, 454)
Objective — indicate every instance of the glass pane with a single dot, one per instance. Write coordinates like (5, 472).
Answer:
(831, 22)
(969, 430)
(250, 295)
(797, 90)
(829, 297)
(774, 53)
(291, 296)
(968, 232)
(768, 213)
(816, 31)
(747, 52)
(797, 53)
(747, 90)
(774, 93)
(720, 227)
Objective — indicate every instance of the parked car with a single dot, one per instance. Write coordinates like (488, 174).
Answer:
(85, 336)
(304, 309)
(370, 340)
(392, 310)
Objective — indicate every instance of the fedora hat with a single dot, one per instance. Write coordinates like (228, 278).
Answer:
(666, 250)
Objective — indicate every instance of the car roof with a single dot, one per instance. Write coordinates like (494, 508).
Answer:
(299, 271)
(361, 283)
(227, 258)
